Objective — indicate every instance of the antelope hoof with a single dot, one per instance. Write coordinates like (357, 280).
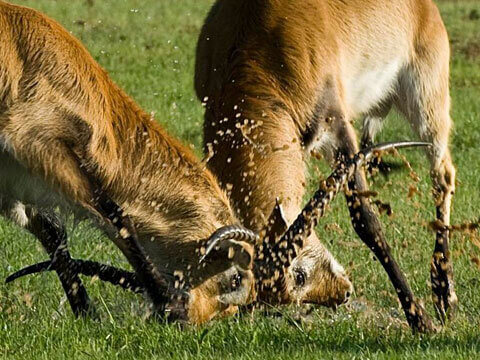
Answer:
(87, 310)
(177, 309)
(84, 308)
(443, 294)
(419, 320)
(445, 305)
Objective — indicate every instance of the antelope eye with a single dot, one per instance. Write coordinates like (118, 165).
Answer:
(235, 281)
(300, 277)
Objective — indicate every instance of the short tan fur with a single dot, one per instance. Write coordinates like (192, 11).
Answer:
(61, 115)
(280, 78)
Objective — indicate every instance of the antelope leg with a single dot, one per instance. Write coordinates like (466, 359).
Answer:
(53, 237)
(368, 227)
(47, 227)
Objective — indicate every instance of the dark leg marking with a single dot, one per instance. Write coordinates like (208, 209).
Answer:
(50, 231)
(441, 274)
(368, 228)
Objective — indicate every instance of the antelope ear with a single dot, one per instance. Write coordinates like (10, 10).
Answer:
(276, 224)
(235, 252)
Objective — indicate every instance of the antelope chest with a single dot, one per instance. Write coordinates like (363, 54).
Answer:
(365, 87)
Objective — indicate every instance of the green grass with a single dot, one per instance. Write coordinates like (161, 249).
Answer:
(148, 48)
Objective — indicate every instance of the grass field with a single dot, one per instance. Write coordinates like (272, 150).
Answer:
(148, 48)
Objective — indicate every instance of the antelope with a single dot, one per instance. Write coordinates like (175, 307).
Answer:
(279, 79)
(71, 138)
(273, 255)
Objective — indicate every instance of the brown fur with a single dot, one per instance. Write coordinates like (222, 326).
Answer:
(280, 77)
(60, 111)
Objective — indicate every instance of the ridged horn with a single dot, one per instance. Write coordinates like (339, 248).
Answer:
(231, 232)
(283, 252)
(125, 279)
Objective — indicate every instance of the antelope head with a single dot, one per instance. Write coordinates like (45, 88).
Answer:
(224, 278)
(289, 266)
(221, 279)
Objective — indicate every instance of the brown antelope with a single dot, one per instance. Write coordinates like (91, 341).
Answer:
(280, 78)
(273, 255)
(69, 137)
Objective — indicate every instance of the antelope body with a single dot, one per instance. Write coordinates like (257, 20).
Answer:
(280, 78)
(70, 137)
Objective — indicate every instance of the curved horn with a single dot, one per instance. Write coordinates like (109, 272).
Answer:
(125, 279)
(283, 252)
(231, 232)
(315, 208)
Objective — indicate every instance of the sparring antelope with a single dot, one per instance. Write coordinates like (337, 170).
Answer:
(71, 138)
(273, 255)
(281, 78)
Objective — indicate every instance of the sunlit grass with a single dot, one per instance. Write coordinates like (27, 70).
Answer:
(148, 48)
